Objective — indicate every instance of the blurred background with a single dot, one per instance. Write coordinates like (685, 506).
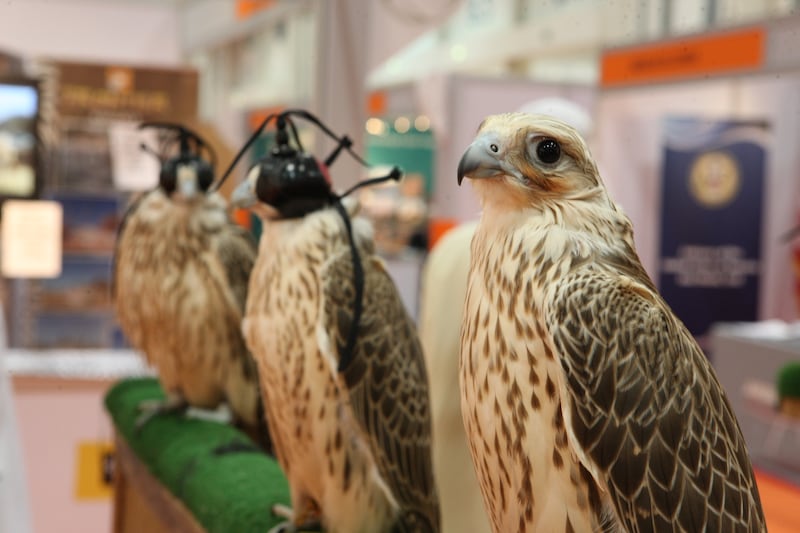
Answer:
(690, 107)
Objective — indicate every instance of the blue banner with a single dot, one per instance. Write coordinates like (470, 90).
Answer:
(711, 220)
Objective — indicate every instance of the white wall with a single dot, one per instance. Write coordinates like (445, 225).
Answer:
(50, 445)
(629, 153)
(92, 31)
(15, 512)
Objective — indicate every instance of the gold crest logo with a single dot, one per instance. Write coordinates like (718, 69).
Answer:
(714, 180)
(119, 79)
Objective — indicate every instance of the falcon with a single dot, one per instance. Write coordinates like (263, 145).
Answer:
(351, 428)
(181, 269)
(587, 404)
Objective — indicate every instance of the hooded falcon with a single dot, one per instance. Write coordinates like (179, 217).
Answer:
(181, 269)
(587, 403)
(351, 428)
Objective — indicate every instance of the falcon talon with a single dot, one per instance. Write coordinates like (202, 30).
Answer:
(149, 409)
(283, 511)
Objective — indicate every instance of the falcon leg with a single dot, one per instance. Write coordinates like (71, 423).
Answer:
(287, 526)
(309, 520)
(283, 511)
(148, 409)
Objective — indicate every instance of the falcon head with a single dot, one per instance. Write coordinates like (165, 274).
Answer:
(283, 186)
(185, 178)
(244, 196)
(519, 160)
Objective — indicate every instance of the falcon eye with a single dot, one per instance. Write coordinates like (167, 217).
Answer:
(548, 151)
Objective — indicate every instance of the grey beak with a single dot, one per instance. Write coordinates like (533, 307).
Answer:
(242, 196)
(187, 183)
(479, 161)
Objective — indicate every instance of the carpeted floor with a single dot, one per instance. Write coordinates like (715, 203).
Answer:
(781, 501)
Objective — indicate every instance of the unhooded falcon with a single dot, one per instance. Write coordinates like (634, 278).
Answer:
(587, 403)
(181, 270)
(351, 427)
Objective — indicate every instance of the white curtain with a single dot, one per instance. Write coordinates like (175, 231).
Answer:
(14, 509)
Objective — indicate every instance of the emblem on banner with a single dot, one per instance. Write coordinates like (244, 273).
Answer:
(714, 179)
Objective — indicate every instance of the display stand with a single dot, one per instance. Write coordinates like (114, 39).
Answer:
(747, 359)
(141, 503)
(172, 476)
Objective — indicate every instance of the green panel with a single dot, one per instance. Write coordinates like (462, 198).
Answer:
(413, 152)
(789, 380)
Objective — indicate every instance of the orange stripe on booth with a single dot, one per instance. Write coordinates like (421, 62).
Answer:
(781, 501)
(247, 8)
(740, 50)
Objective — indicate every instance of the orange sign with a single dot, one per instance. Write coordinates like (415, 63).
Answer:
(437, 228)
(255, 118)
(376, 103)
(733, 51)
(140, 93)
(247, 8)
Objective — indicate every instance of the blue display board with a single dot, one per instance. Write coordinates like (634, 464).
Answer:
(711, 220)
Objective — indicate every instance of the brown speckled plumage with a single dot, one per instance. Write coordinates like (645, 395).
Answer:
(355, 446)
(588, 404)
(181, 270)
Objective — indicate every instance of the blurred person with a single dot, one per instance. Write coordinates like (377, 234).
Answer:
(444, 282)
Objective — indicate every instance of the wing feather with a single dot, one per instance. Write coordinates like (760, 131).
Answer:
(387, 384)
(236, 249)
(648, 409)
(130, 212)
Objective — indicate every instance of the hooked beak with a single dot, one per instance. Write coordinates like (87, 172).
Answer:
(243, 196)
(481, 160)
(187, 181)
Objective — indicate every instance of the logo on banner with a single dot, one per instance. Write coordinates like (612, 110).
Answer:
(714, 179)
(119, 79)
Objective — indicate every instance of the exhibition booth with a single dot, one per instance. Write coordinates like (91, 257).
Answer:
(694, 135)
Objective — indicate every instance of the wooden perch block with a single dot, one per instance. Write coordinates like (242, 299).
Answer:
(171, 476)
